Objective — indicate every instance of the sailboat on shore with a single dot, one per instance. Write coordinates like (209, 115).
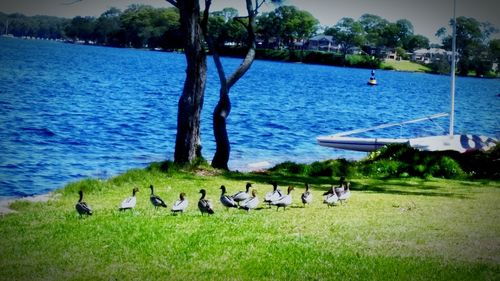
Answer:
(451, 141)
(6, 34)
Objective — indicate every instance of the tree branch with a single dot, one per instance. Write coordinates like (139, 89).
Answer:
(254, 12)
(173, 2)
(71, 3)
(218, 65)
(227, 83)
(206, 14)
(257, 5)
(249, 58)
(211, 45)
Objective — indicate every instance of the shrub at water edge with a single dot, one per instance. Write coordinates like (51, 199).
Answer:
(398, 160)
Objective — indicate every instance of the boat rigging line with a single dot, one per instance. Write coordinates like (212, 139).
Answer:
(387, 125)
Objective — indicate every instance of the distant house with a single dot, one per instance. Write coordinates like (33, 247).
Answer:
(381, 52)
(267, 43)
(322, 43)
(355, 51)
(430, 55)
(372, 50)
(298, 45)
(390, 54)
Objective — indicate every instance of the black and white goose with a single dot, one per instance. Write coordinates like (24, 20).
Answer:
(273, 195)
(226, 200)
(331, 197)
(346, 194)
(204, 204)
(285, 200)
(251, 202)
(242, 195)
(307, 196)
(181, 204)
(130, 202)
(156, 200)
(81, 207)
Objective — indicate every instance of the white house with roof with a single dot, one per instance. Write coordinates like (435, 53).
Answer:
(322, 43)
(430, 55)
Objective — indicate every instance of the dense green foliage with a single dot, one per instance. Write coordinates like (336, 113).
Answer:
(445, 164)
(284, 26)
(36, 26)
(372, 30)
(400, 161)
(138, 26)
(494, 47)
(473, 48)
(348, 33)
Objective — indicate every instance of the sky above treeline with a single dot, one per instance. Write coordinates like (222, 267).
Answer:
(427, 16)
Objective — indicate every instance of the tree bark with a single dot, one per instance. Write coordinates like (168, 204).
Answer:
(188, 139)
(223, 146)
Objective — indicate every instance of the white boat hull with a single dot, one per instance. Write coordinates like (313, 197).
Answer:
(460, 143)
(357, 144)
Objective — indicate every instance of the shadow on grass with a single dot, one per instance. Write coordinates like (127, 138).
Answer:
(282, 180)
(391, 188)
(388, 186)
(483, 182)
(410, 186)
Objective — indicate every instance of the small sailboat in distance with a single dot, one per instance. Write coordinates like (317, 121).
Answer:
(450, 141)
(7, 34)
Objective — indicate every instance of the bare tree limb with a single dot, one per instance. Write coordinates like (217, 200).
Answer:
(211, 45)
(218, 65)
(255, 12)
(206, 14)
(247, 62)
(173, 2)
(71, 3)
(258, 5)
(227, 83)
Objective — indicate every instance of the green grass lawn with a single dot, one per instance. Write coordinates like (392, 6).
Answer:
(405, 66)
(408, 229)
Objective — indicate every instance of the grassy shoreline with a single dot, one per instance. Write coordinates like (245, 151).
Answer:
(404, 229)
(406, 66)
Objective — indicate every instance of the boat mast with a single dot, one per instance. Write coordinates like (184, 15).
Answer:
(452, 71)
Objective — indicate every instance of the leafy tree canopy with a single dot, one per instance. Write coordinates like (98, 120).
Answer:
(471, 44)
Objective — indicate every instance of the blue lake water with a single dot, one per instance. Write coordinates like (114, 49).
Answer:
(70, 111)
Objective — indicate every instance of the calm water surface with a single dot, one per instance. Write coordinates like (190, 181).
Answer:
(69, 111)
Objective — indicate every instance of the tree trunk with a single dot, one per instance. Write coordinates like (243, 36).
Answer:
(188, 141)
(223, 147)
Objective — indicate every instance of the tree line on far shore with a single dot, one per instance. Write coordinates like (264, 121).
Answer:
(286, 28)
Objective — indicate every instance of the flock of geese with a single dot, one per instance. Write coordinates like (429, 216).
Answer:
(241, 200)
